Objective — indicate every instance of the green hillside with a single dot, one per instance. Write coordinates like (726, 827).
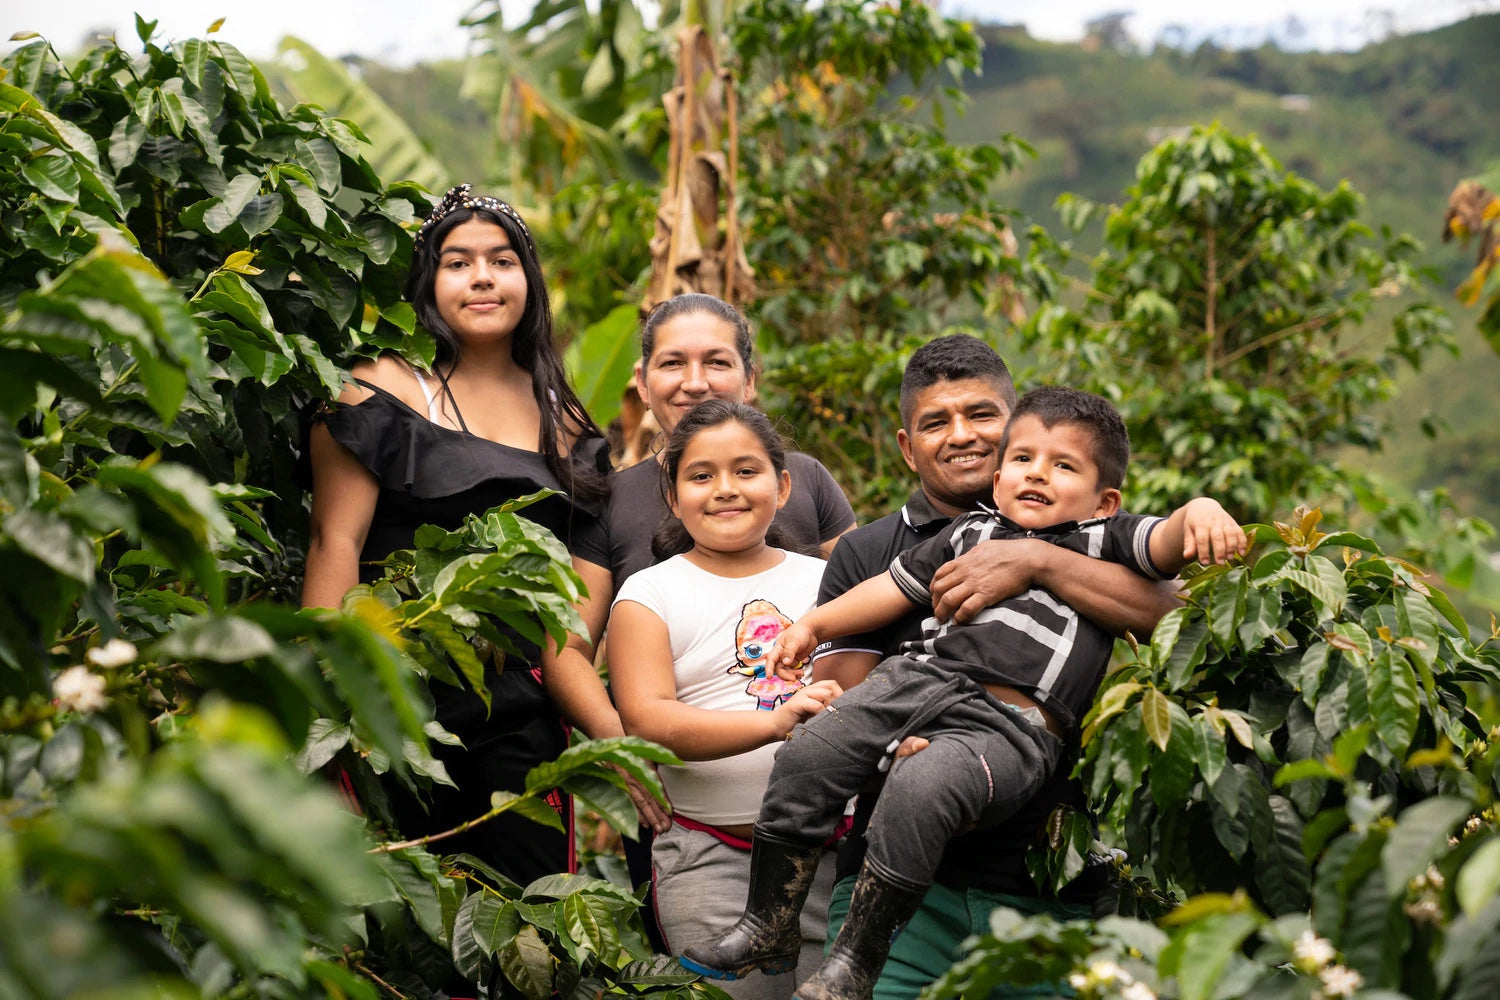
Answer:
(1403, 121)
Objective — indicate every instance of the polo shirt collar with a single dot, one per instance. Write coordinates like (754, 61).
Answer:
(919, 512)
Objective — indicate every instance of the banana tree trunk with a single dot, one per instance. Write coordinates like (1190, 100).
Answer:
(697, 245)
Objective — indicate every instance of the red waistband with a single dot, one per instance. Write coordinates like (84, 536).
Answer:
(846, 823)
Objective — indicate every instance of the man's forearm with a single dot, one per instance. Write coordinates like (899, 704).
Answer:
(1109, 595)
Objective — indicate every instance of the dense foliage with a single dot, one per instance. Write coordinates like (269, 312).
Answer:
(1299, 766)
(867, 227)
(186, 264)
(1224, 315)
(1296, 760)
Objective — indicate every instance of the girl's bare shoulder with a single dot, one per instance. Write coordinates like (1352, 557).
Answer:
(388, 372)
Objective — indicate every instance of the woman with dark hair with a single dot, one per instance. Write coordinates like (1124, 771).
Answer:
(696, 347)
(493, 419)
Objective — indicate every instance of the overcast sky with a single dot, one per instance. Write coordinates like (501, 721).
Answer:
(392, 30)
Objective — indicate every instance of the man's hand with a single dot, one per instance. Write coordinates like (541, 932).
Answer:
(793, 647)
(1209, 534)
(986, 574)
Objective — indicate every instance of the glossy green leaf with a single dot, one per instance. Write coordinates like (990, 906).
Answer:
(602, 359)
(1418, 621)
(1311, 670)
(1237, 797)
(178, 514)
(1469, 955)
(1227, 606)
(528, 964)
(1157, 717)
(589, 928)
(1201, 952)
(1420, 835)
(241, 189)
(260, 214)
(1351, 638)
(1187, 652)
(1282, 872)
(1333, 580)
(1394, 702)
(53, 542)
(1174, 770)
(325, 738)
(1478, 880)
(494, 922)
(54, 175)
(219, 638)
(533, 807)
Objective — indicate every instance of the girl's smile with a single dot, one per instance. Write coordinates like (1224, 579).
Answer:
(727, 490)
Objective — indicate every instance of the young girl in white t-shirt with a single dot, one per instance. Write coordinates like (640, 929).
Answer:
(688, 640)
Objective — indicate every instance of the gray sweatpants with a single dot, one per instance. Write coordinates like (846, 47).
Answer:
(984, 763)
(701, 884)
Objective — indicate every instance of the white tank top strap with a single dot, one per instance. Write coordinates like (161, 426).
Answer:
(434, 403)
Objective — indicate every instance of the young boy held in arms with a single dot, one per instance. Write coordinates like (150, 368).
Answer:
(998, 698)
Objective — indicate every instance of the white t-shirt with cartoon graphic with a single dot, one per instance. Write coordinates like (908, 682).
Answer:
(721, 631)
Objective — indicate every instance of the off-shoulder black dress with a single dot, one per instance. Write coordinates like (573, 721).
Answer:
(430, 474)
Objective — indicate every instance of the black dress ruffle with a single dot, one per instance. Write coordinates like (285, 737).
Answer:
(430, 474)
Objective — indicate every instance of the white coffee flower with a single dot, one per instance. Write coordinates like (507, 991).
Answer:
(114, 653)
(1340, 981)
(78, 690)
(1107, 973)
(1137, 991)
(1310, 952)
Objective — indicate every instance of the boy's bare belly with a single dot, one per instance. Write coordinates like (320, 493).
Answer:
(1009, 695)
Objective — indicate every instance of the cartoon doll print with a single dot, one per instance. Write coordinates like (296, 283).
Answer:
(760, 623)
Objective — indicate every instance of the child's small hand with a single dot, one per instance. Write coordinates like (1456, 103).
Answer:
(807, 702)
(793, 647)
(1209, 534)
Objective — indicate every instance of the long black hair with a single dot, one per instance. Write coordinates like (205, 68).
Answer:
(671, 537)
(532, 346)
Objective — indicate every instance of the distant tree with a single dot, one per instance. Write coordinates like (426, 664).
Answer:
(1108, 31)
(1225, 316)
(868, 229)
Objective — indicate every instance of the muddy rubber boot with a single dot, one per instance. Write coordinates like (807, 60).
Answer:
(768, 935)
(878, 909)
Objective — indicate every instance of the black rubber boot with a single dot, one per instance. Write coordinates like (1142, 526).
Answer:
(768, 935)
(878, 909)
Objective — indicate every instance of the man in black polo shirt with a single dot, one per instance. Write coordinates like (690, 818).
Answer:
(956, 396)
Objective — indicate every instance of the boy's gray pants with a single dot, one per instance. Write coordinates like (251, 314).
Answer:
(985, 761)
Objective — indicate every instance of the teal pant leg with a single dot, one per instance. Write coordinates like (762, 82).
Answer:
(931, 943)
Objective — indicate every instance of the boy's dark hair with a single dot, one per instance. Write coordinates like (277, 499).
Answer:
(948, 359)
(1057, 404)
(671, 537)
(532, 346)
(691, 304)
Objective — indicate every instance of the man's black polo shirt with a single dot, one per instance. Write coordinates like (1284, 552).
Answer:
(995, 859)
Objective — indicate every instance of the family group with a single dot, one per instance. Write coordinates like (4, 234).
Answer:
(875, 722)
